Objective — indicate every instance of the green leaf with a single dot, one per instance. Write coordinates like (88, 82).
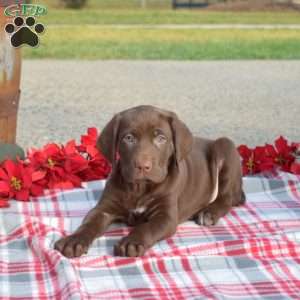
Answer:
(11, 151)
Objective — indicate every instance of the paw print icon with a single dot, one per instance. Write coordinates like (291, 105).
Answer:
(24, 32)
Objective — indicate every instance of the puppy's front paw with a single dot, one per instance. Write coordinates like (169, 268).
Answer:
(72, 246)
(206, 218)
(129, 247)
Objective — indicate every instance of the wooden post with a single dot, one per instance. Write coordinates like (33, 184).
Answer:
(10, 73)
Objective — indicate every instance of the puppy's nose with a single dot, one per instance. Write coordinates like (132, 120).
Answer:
(144, 165)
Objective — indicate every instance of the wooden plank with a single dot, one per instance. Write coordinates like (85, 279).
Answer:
(8, 118)
(3, 123)
(10, 71)
(8, 134)
(11, 129)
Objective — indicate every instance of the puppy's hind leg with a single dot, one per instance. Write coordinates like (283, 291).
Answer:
(226, 178)
(214, 211)
(241, 198)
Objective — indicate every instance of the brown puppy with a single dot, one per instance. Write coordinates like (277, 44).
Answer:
(164, 176)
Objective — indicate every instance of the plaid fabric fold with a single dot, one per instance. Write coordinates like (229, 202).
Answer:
(252, 253)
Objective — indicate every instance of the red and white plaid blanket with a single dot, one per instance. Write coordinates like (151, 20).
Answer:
(254, 252)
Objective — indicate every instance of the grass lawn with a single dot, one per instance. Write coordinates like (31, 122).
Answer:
(97, 42)
(166, 16)
(87, 42)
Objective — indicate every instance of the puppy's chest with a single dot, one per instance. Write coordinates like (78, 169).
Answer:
(136, 210)
(137, 216)
(135, 199)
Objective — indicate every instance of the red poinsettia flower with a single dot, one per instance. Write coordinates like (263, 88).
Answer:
(73, 164)
(15, 181)
(281, 154)
(249, 163)
(265, 162)
(89, 141)
(48, 158)
(295, 168)
(99, 168)
(91, 137)
(89, 144)
(254, 160)
(61, 164)
(296, 148)
(4, 203)
(73, 161)
(38, 182)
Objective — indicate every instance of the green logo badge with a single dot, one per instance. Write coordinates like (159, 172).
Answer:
(25, 10)
(24, 30)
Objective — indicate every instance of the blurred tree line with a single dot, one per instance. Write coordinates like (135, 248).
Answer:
(74, 3)
(145, 3)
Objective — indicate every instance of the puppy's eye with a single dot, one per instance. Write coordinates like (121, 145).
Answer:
(160, 139)
(129, 138)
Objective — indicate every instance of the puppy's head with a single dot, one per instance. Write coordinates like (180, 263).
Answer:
(147, 140)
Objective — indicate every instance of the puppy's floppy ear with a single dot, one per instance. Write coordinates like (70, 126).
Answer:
(182, 138)
(107, 142)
